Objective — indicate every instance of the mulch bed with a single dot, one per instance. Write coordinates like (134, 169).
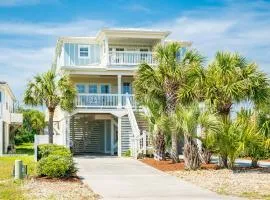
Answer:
(167, 165)
(67, 179)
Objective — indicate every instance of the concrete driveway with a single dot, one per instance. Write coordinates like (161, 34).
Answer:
(125, 178)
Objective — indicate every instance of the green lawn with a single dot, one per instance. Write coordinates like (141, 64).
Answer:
(25, 148)
(10, 189)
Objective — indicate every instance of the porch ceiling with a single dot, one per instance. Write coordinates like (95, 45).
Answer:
(133, 41)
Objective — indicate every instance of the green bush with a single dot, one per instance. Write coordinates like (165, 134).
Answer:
(56, 166)
(127, 153)
(27, 137)
(44, 150)
(55, 161)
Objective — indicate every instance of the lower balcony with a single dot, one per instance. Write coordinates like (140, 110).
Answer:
(109, 101)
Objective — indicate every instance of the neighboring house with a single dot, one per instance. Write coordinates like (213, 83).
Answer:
(106, 118)
(9, 120)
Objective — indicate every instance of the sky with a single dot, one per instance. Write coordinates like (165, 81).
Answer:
(29, 28)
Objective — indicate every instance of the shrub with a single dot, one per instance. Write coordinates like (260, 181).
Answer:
(27, 137)
(127, 153)
(56, 166)
(44, 150)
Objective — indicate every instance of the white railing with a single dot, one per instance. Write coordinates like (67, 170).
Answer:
(103, 100)
(97, 100)
(132, 118)
(130, 58)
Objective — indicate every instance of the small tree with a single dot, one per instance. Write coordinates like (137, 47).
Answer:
(231, 79)
(33, 124)
(50, 90)
(253, 140)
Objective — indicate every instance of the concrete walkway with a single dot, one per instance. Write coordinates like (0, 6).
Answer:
(125, 178)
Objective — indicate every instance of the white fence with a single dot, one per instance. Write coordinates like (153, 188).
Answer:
(44, 139)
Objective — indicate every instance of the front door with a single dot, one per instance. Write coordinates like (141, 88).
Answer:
(126, 88)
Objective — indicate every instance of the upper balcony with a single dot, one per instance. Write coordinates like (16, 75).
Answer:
(130, 58)
(111, 48)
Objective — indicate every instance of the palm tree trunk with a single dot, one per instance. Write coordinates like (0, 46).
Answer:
(254, 163)
(50, 125)
(171, 101)
(174, 150)
(223, 161)
(191, 154)
(205, 155)
(160, 146)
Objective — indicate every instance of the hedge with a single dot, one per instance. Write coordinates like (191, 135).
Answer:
(55, 161)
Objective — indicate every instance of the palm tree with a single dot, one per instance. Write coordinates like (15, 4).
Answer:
(253, 136)
(186, 120)
(52, 91)
(231, 79)
(158, 127)
(171, 82)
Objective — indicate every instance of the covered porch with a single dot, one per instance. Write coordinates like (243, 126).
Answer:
(103, 91)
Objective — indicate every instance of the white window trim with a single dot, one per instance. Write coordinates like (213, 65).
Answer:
(83, 46)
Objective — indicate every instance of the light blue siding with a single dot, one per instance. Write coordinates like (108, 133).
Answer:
(71, 53)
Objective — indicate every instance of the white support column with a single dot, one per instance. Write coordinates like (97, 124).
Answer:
(105, 136)
(1, 137)
(119, 83)
(119, 137)
(112, 138)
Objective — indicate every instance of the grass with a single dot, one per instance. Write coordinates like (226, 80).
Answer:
(25, 148)
(10, 189)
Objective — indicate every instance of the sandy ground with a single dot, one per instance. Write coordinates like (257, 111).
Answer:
(252, 183)
(58, 189)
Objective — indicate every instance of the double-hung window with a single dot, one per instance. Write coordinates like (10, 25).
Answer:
(104, 89)
(80, 88)
(83, 51)
(93, 89)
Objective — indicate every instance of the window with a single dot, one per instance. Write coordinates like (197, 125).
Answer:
(93, 89)
(80, 88)
(105, 89)
(126, 88)
(84, 51)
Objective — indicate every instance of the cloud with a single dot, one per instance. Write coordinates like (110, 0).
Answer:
(240, 27)
(74, 28)
(137, 8)
(12, 3)
(20, 65)
(32, 50)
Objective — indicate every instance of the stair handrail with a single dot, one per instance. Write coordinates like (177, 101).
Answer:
(132, 118)
(134, 127)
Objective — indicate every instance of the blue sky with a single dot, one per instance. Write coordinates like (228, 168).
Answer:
(29, 28)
